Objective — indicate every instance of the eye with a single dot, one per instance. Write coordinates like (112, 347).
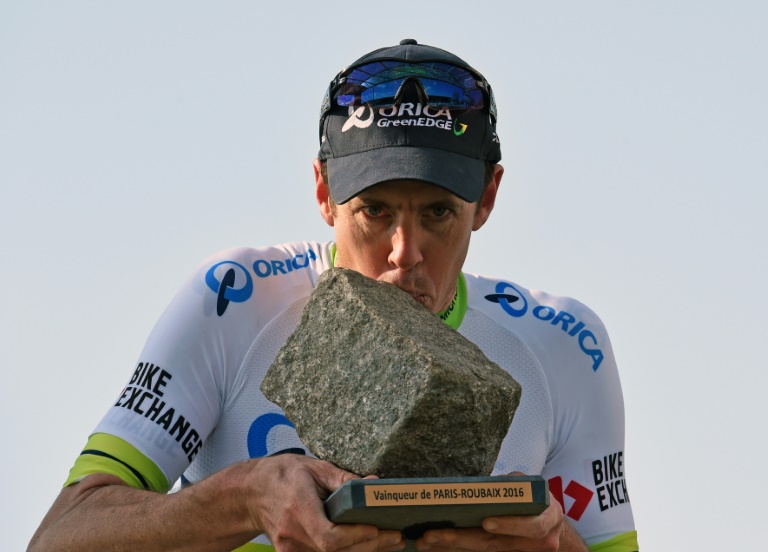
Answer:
(373, 210)
(440, 211)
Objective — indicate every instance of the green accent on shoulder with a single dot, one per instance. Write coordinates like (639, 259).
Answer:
(454, 314)
(333, 255)
(626, 542)
(255, 547)
(106, 453)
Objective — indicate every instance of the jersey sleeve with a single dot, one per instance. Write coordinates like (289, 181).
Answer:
(173, 396)
(586, 466)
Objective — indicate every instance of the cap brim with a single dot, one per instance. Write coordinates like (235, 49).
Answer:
(351, 174)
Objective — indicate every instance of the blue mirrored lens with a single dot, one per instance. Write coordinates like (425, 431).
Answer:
(378, 84)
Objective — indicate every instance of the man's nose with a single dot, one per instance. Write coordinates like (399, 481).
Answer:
(406, 247)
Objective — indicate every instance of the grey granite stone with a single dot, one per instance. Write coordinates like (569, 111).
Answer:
(377, 384)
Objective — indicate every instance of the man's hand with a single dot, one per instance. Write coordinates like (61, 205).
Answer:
(547, 532)
(288, 507)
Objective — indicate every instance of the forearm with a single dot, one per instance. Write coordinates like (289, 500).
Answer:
(280, 496)
(97, 514)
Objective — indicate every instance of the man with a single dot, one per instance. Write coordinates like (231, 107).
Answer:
(408, 169)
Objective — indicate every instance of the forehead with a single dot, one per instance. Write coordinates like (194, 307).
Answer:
(411, 190)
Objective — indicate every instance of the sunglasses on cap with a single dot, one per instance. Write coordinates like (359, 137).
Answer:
(382, 83)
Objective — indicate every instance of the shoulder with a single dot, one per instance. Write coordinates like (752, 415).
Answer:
(543, 320)
(272, 276)
(235, 292)
(261, 263)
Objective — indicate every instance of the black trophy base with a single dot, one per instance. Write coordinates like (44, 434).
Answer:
(415, 505)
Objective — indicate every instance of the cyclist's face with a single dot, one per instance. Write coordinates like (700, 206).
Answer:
(408, 233)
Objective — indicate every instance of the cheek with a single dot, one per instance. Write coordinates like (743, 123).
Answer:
(361, 236)
(450, 252)
(360, 248)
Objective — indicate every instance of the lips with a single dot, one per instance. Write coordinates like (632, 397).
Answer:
(422, 298)
(412, 292)
(413, 289)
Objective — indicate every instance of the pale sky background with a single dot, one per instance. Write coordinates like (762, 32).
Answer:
(137, 138)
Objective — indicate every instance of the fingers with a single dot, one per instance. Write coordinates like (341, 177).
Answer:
(476, 539)
(532, 527)
(290, 505)
(460, 539)
(385, 541)
(329, 478)
(346, 538)
(501, 533)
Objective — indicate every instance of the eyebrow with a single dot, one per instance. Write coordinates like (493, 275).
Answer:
(371, 198)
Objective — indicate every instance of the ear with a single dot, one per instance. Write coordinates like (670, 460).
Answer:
(323, 195)
(488, 200)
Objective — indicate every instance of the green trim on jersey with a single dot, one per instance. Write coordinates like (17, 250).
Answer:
(109, 454)
(454, 314)
(626, 542)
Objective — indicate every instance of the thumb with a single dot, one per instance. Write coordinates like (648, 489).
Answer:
(329, 477)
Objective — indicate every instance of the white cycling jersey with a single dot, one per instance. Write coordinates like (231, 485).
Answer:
(193, 404)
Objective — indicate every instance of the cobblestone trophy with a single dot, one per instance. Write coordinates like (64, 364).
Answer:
(378, 385)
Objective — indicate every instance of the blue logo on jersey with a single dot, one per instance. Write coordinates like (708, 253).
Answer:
(260, 428)
(265, 269)
(505, 300)
(225, 288)
(586, 339)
